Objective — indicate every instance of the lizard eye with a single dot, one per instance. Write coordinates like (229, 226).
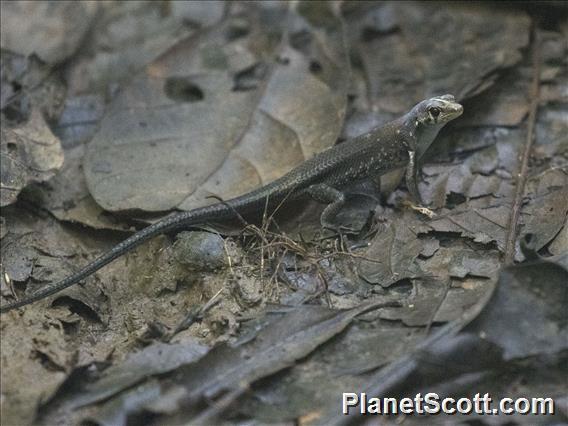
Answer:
(434, 112)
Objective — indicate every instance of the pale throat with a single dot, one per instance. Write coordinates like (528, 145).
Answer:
(424, 133)
(425, 136)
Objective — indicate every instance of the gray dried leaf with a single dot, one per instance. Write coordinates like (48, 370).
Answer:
(559, 244)
(129, 35)
(487, 172)
(115, 412)
(79, 119)
(68, 198)
(546, 208)
(393, 251)
(484, 224)
(155, 359)
(506, 104)
(28, 153)
(404, 63)
(452, 280)
(53, 31)
(29, 83)
(277, 346)
(527, 314)
(320, 379)
(551, 133)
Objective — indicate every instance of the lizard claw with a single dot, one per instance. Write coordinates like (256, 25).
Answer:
(421, 209)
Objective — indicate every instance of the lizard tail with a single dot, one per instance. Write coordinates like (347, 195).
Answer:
(177, 221)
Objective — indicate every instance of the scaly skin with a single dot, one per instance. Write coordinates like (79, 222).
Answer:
(322, 177)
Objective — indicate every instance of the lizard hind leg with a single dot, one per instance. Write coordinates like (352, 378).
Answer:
(334, 199)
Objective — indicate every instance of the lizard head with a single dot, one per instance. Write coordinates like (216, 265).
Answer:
(427, 118)
(437, 111)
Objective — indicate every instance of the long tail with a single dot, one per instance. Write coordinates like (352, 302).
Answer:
(218, 211)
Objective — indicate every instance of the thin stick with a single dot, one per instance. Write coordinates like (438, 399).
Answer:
(534, 97)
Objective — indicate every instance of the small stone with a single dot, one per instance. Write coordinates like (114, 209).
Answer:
(202, 251)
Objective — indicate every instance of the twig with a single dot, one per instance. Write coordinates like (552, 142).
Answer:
(193, 315)
(534, 97)
(213, 412)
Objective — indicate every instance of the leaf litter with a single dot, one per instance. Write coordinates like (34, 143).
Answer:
(260, 358)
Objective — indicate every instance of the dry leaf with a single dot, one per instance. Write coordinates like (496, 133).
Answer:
(29, 153)
(215, 116)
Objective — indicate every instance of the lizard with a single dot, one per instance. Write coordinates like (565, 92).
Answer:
(322, 177)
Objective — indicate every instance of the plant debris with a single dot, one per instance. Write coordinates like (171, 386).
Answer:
(130, 110)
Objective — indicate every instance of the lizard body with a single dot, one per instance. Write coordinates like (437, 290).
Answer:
(383, 149)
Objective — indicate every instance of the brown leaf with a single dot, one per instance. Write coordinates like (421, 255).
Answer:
(193, 125)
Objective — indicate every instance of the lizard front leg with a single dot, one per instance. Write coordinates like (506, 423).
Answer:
(412, 184)
(412, 177)
(334, 199)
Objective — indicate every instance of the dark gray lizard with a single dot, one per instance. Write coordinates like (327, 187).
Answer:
(322, 177)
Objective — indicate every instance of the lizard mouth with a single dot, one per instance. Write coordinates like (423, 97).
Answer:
(452, 111)
(448, 108)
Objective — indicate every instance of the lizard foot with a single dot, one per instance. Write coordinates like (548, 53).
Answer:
(341, 229)
(421, 209)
